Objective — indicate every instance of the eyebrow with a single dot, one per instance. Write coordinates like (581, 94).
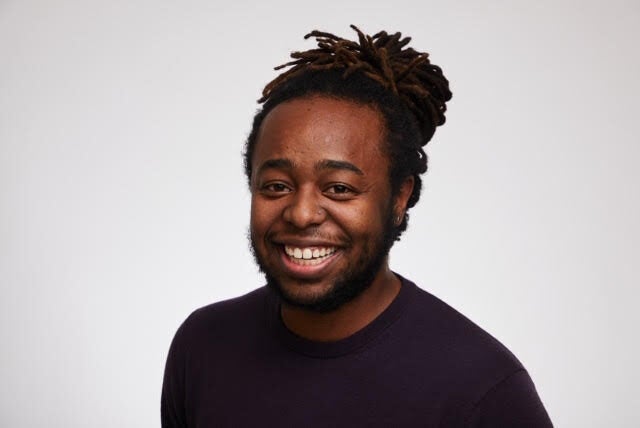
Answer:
(279, 163)
(284, 163)
(336, 164)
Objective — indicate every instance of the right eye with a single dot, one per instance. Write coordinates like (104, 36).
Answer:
(275, 189)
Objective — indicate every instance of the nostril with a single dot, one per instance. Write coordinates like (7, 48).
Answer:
(304, 211)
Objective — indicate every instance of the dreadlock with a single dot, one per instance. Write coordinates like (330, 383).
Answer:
(377, 70)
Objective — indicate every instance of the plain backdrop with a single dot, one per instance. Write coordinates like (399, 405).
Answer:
(123, 205)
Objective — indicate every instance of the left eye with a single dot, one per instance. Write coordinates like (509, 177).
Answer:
(340, 192)
(339, 189)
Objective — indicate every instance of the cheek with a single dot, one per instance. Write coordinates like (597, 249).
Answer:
(263, 215)
(360, 220)
(257, 217)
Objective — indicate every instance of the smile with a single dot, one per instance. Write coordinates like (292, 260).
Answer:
(308, 256)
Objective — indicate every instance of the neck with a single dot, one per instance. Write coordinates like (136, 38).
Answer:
(348, 318)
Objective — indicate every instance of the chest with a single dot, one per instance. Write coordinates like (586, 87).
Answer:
(367, 389)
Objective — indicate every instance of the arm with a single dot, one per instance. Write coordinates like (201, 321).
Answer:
(172, 409)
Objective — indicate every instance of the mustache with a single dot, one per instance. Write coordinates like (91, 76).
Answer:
(310, 233)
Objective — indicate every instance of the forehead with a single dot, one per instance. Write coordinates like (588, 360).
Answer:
(310, 129)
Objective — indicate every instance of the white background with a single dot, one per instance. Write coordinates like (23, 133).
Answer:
(124, 206)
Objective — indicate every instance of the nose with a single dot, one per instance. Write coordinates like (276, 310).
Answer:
(304, 209)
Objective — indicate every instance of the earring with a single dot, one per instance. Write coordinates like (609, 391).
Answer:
(398, 220)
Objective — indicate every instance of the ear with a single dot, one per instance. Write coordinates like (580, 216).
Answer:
(402, 197)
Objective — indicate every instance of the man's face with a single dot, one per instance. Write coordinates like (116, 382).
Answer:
(321, 206)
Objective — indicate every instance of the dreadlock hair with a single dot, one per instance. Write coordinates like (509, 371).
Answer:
(400, 83)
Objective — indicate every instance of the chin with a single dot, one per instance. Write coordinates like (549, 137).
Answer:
(327, 293)
(322, 298)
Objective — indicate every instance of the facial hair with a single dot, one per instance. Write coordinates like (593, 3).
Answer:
(350, 284)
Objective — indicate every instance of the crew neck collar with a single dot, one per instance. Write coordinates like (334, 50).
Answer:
(344, 346)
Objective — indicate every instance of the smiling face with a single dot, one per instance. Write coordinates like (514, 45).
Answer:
(321, 209)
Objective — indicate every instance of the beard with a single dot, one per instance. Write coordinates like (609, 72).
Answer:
(350, 284)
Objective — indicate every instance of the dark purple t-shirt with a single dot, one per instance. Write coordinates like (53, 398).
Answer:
(419, 364)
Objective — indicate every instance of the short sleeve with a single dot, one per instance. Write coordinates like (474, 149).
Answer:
(513, 402)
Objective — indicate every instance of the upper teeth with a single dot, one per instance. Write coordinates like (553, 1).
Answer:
(308, 252)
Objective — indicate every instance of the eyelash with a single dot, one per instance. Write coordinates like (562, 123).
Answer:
(270, 188)
(334, 191)
(344, 189)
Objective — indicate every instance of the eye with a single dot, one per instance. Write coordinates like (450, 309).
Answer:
(339, 188)
(275, 189)
(339, 191)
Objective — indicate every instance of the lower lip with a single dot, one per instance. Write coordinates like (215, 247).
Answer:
(310, 271)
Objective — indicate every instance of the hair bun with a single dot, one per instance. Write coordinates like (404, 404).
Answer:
(384, 58)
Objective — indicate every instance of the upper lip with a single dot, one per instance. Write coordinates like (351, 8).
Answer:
(304, 242)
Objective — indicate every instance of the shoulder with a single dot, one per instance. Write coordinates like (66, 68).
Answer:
(224, 319)
(481, 373)
(456, 335)
(453, 345)
(511, 402)
(231, 308)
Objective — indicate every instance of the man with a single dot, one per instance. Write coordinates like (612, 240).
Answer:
(336, 338)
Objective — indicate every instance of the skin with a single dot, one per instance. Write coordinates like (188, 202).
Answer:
(320, 179)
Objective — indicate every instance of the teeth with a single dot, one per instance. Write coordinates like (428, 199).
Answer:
(309, 253)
